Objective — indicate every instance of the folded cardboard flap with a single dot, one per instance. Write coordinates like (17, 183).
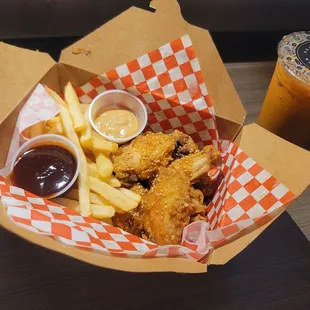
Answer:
(127, 36)
(75, 76)
(228, 130)
(263, 140)
(111, 47)
(51, 78)
(136, 32)
(6, 132)
(289, 163)
(229, 250)
(20, 71)
(113, 262)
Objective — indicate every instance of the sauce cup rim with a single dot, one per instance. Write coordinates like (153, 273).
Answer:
(112, 139)
(48, 139)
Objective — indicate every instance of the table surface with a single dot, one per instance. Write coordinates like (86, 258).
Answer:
(272, 273)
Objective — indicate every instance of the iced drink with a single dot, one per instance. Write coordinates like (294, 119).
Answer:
(286, 109)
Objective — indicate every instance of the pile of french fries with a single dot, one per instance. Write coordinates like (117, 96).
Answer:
(99, 193)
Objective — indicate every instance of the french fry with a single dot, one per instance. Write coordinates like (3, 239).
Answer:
(59, 128)
(98, 200)
(54, 120)
(113, 181)
(92, 170)
(56, 129)
(102, 212)
(83, 181)
(83, 186)
(74, 108)
(86, 138)
(132, 195)
(52, 129)
(26, 133)
(102, 145)
(94, 198)
(37, 129)
(104, 165)
(111, 194)
(55, 125)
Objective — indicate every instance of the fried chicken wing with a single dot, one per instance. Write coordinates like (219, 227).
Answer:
(172, 203)
(132, 221)
(185, 145)
(142, 158)
(208, 187)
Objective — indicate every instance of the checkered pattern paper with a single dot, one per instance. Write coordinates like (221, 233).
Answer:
(38, 107)
(169, 82)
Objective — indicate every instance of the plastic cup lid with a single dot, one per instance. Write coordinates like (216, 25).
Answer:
(294, 54)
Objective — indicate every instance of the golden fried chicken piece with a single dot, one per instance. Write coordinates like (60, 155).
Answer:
(172, 203)
(185, 145)
(197, 199)
(208, 187)
(142, 158)
(132, 221)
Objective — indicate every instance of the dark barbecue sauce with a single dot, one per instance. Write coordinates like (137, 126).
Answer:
(44, 170)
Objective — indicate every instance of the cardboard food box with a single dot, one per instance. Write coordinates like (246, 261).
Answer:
(126, 37)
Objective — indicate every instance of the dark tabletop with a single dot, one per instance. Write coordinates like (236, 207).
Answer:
(272, 273)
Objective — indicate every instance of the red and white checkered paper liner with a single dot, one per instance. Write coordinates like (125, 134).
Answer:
(37, 108)
(169, 81)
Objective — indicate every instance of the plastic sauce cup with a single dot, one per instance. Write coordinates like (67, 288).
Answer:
(46, 140)
(118, 99)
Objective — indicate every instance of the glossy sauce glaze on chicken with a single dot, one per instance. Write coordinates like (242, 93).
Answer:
(169, 166)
